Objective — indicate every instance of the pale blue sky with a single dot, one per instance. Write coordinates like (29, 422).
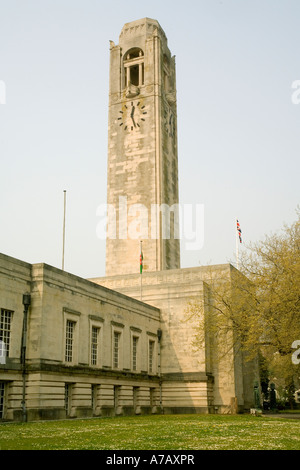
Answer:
(238, 130)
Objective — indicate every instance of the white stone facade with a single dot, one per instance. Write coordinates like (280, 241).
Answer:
(142, 150)
(193, 379)
(79, 371)
(92, 347)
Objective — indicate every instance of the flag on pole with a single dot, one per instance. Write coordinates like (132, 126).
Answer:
(141, 260)
(239, 230)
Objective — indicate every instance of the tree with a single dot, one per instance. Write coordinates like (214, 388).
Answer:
(273, 268)
(257, 308)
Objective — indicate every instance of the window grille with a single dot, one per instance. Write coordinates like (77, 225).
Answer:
(2, 389)
(94, 345)
(70, 327)
(152, 397)
(94, 396)
(116, 350)
(151, 353)
(68, 398)
(117, 389)
(134, 352)
(5, 328)
(136, 392)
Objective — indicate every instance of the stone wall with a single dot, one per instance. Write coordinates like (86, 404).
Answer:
(206, 378)
(58, 297)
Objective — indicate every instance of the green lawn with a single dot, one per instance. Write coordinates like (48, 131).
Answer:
(174, 432)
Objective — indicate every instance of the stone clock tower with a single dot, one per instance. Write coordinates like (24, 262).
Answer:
(142, 152)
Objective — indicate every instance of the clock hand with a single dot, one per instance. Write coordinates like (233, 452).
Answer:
(132, 116)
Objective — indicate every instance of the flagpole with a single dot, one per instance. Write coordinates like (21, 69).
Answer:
(141, 268)
(64, 231)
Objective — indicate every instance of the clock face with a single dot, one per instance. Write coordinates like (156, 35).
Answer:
(132, 115)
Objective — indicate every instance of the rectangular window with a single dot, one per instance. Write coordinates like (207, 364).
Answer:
(94, 345)
(68, 398)
(5, 328)
(151, 355)
(136, 392)
(70, 327)
(117, 389)
(134, 352)
(134, 75)
(2, 390)
(94, 396)
(116, 349)
(152, 397)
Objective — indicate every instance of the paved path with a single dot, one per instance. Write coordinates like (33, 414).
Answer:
(282, 415)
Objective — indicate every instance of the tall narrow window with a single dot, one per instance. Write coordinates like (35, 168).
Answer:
(136, 392)
(2, 390)
(68, 398)
(94, 345)
(5, 328)
(94, 396)
(134, 352)
(70, 327)
(151, 355)
(117, 389)
(116, 350)
(152, 397)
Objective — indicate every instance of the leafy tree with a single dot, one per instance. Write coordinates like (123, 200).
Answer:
(256, 308)
(273, 267)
